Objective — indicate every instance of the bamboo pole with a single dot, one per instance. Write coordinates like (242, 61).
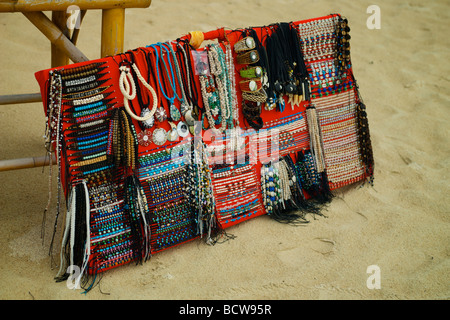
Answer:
(113, 25)
(56, 37)
(61, 5)
(24, 163)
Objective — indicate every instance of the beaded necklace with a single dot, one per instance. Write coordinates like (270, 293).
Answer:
(214, 91)
(53, 136)
(160, 56)
(174, 81)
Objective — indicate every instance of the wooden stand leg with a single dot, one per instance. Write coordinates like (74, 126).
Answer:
(59, 58)
(24, 163)
(113, 24)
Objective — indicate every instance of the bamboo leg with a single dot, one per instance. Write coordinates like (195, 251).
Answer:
(20, 98)
(24, 163)
(59, 58)
(113, 24)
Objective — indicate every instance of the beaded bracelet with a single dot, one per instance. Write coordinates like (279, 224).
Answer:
(89, 100)
(248, 57)
(251, 85)
(257, 96)
(87, 67)
(79, 81)
(70, 92)
(92, 135)
(245, 44)
(251, 72)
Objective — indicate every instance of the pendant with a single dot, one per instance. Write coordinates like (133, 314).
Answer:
(172, 135)
(182, 129)
(253, 57)
(159, 136)
(290, 88)
(215, 111)
(189, 118)
(185, 108)
(278, 87)
(147, 123)
(175, 114)
(258, 72)
(144, 138)
(161, 114)
(214, 104)
(250, 42)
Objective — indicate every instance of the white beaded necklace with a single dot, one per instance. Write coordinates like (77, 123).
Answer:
(128, 89)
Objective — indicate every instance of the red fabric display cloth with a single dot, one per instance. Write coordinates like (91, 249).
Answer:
(171, 142)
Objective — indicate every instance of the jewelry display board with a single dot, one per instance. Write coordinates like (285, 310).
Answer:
(173, 142)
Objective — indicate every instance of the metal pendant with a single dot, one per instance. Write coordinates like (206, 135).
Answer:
(185, 108)
(159, 136)
(147, 123)
(175, 114)
(144, 138)
(182, 129)
(161, 114)
(189, 118)
(172, 134)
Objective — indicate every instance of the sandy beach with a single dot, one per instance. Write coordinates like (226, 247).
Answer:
(401, 224)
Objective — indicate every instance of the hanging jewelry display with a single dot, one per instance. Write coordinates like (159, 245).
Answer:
(282, 125)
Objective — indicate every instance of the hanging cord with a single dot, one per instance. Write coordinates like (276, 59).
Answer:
(174, 76)
(159, 56)
(184, 73)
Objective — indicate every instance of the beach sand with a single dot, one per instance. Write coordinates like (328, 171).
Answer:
(401, 224)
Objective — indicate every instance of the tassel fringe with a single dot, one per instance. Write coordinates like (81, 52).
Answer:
(75, 252)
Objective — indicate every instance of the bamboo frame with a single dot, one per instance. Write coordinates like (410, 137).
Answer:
(23, 163)
(56, 36)
(63, 46)
(61, 5)
(58, 56)
(113, 25)
(20, 98)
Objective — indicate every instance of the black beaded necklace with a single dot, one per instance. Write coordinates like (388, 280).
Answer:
(188, 77)
(278, 75)
(300, 71)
